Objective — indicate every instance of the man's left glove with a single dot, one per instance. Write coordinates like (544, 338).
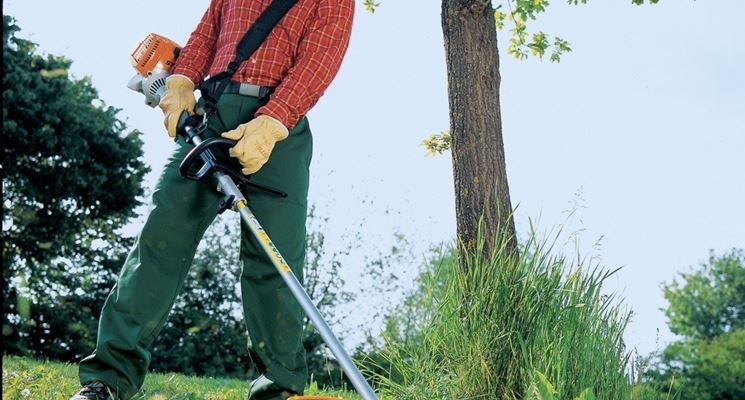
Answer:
(256, 140)
(179, 97)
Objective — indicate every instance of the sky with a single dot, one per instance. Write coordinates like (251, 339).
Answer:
(640, 130)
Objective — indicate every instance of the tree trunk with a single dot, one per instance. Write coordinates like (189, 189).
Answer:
(476, 124)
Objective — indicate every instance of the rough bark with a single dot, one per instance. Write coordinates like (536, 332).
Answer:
(477, 148)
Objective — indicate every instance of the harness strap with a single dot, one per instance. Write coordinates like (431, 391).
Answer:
(215, 86)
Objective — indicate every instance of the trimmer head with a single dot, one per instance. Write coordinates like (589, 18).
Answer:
(153, 59)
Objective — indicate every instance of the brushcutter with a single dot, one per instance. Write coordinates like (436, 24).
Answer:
(153, 59)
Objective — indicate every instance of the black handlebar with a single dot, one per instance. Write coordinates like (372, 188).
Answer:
(211, 155)
(204, 158)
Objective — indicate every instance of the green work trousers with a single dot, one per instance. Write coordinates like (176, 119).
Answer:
(154, 272)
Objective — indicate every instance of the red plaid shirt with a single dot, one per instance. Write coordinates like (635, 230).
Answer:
(300, 57)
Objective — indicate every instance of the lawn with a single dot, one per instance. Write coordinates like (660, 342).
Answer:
(45, 380)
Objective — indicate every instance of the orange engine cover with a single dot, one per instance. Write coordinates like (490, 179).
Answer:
(155, 52)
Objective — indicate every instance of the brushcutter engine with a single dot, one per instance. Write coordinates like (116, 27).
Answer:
(153, 59)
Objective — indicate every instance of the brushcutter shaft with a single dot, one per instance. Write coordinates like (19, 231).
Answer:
(354, 375)
(231, 191)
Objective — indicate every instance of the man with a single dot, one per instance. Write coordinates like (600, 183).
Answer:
(295, 64)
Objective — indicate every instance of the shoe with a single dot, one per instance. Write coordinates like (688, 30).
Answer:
(263, 388)
(95, 390)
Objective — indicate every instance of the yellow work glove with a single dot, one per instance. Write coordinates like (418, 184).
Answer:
(179, 96)
(256, 140)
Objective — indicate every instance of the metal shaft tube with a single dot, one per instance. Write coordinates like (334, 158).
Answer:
(358, 381)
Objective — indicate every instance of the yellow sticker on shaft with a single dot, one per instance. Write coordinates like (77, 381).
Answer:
(274, 253)
(272, 250)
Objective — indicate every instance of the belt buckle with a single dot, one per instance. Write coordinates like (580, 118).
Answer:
(249, 89)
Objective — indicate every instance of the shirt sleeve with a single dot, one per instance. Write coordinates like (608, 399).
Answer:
(196, 57)
(319, 58)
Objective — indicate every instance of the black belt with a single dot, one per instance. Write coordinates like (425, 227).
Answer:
(249, 89)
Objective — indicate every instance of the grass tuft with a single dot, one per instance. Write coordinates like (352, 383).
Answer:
(527, 326)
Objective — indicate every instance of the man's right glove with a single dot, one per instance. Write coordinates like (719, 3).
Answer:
(179, 96)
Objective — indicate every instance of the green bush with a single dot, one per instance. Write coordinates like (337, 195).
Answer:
(72, 174)
(707, 308)
(709, 301)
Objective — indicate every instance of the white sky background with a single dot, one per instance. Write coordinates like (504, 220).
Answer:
(646, 118)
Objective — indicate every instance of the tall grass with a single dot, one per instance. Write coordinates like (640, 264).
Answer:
(512, 327)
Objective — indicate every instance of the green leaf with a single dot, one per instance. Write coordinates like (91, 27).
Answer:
(370, 5)
(545, 389)
(586, 395)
